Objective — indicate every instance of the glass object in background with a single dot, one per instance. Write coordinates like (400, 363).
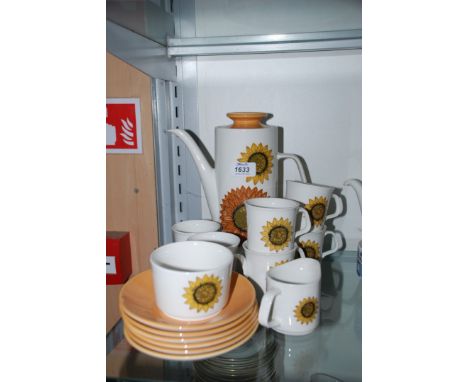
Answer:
(356, 185)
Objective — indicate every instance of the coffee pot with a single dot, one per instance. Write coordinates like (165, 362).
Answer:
(246, 166)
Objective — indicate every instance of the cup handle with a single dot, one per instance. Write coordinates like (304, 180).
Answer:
(265, 308)
(243, 262)
(338, 209)
(301, 252)
(338, 243)
(305, 218)
(296, 159)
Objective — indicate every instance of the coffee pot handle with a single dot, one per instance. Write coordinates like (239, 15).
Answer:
(265, 308)
(298, 162)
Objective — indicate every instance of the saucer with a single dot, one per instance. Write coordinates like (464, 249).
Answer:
(189, 356)
(137, 301)
(174, 335)
(192, 337)
(187, 349)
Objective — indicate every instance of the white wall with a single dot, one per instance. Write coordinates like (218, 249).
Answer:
(315, 97)
(246, 17)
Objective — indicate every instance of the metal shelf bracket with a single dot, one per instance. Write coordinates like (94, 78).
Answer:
(274, 43)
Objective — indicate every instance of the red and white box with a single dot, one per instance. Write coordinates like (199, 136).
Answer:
(118, 257)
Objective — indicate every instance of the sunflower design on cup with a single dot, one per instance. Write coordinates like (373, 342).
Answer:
(262, 157)
(311, 249)
(277, 234)
(317, 208)
(306, 310)
(233, 212)
(203, 293)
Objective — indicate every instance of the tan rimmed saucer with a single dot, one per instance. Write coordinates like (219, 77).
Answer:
(193, 348)
(190, 356)
(192, 333)
(192, 337)
(161, 345)
(137, 301)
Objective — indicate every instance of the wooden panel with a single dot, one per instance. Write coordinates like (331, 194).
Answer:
(130, 179)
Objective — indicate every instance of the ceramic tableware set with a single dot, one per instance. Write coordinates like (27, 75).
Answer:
(190, 305)
(316, 200)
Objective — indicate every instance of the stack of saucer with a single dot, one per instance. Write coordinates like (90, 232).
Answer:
(152, 332)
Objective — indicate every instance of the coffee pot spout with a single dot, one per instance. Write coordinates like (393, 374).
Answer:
(206, 172)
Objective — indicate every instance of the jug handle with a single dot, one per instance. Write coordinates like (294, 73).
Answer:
(298, 162)
(266, 304)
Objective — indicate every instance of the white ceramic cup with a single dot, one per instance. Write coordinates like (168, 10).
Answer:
(229, 240)
(256, 264)
(191, 279)
(183, 230)
(271, 224)
(316, 200)
(291, 304)
(312, 243)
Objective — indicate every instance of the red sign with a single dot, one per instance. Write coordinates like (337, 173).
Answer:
(123, 126)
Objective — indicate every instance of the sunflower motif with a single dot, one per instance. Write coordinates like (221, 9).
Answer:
(203, 293)
(280, 263)
(263, 158)
(233, 212)
(277, 234)
(317, 208)
(306, 310)
(311, 249)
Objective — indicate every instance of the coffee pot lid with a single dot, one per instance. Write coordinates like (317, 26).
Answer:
(247, 120)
